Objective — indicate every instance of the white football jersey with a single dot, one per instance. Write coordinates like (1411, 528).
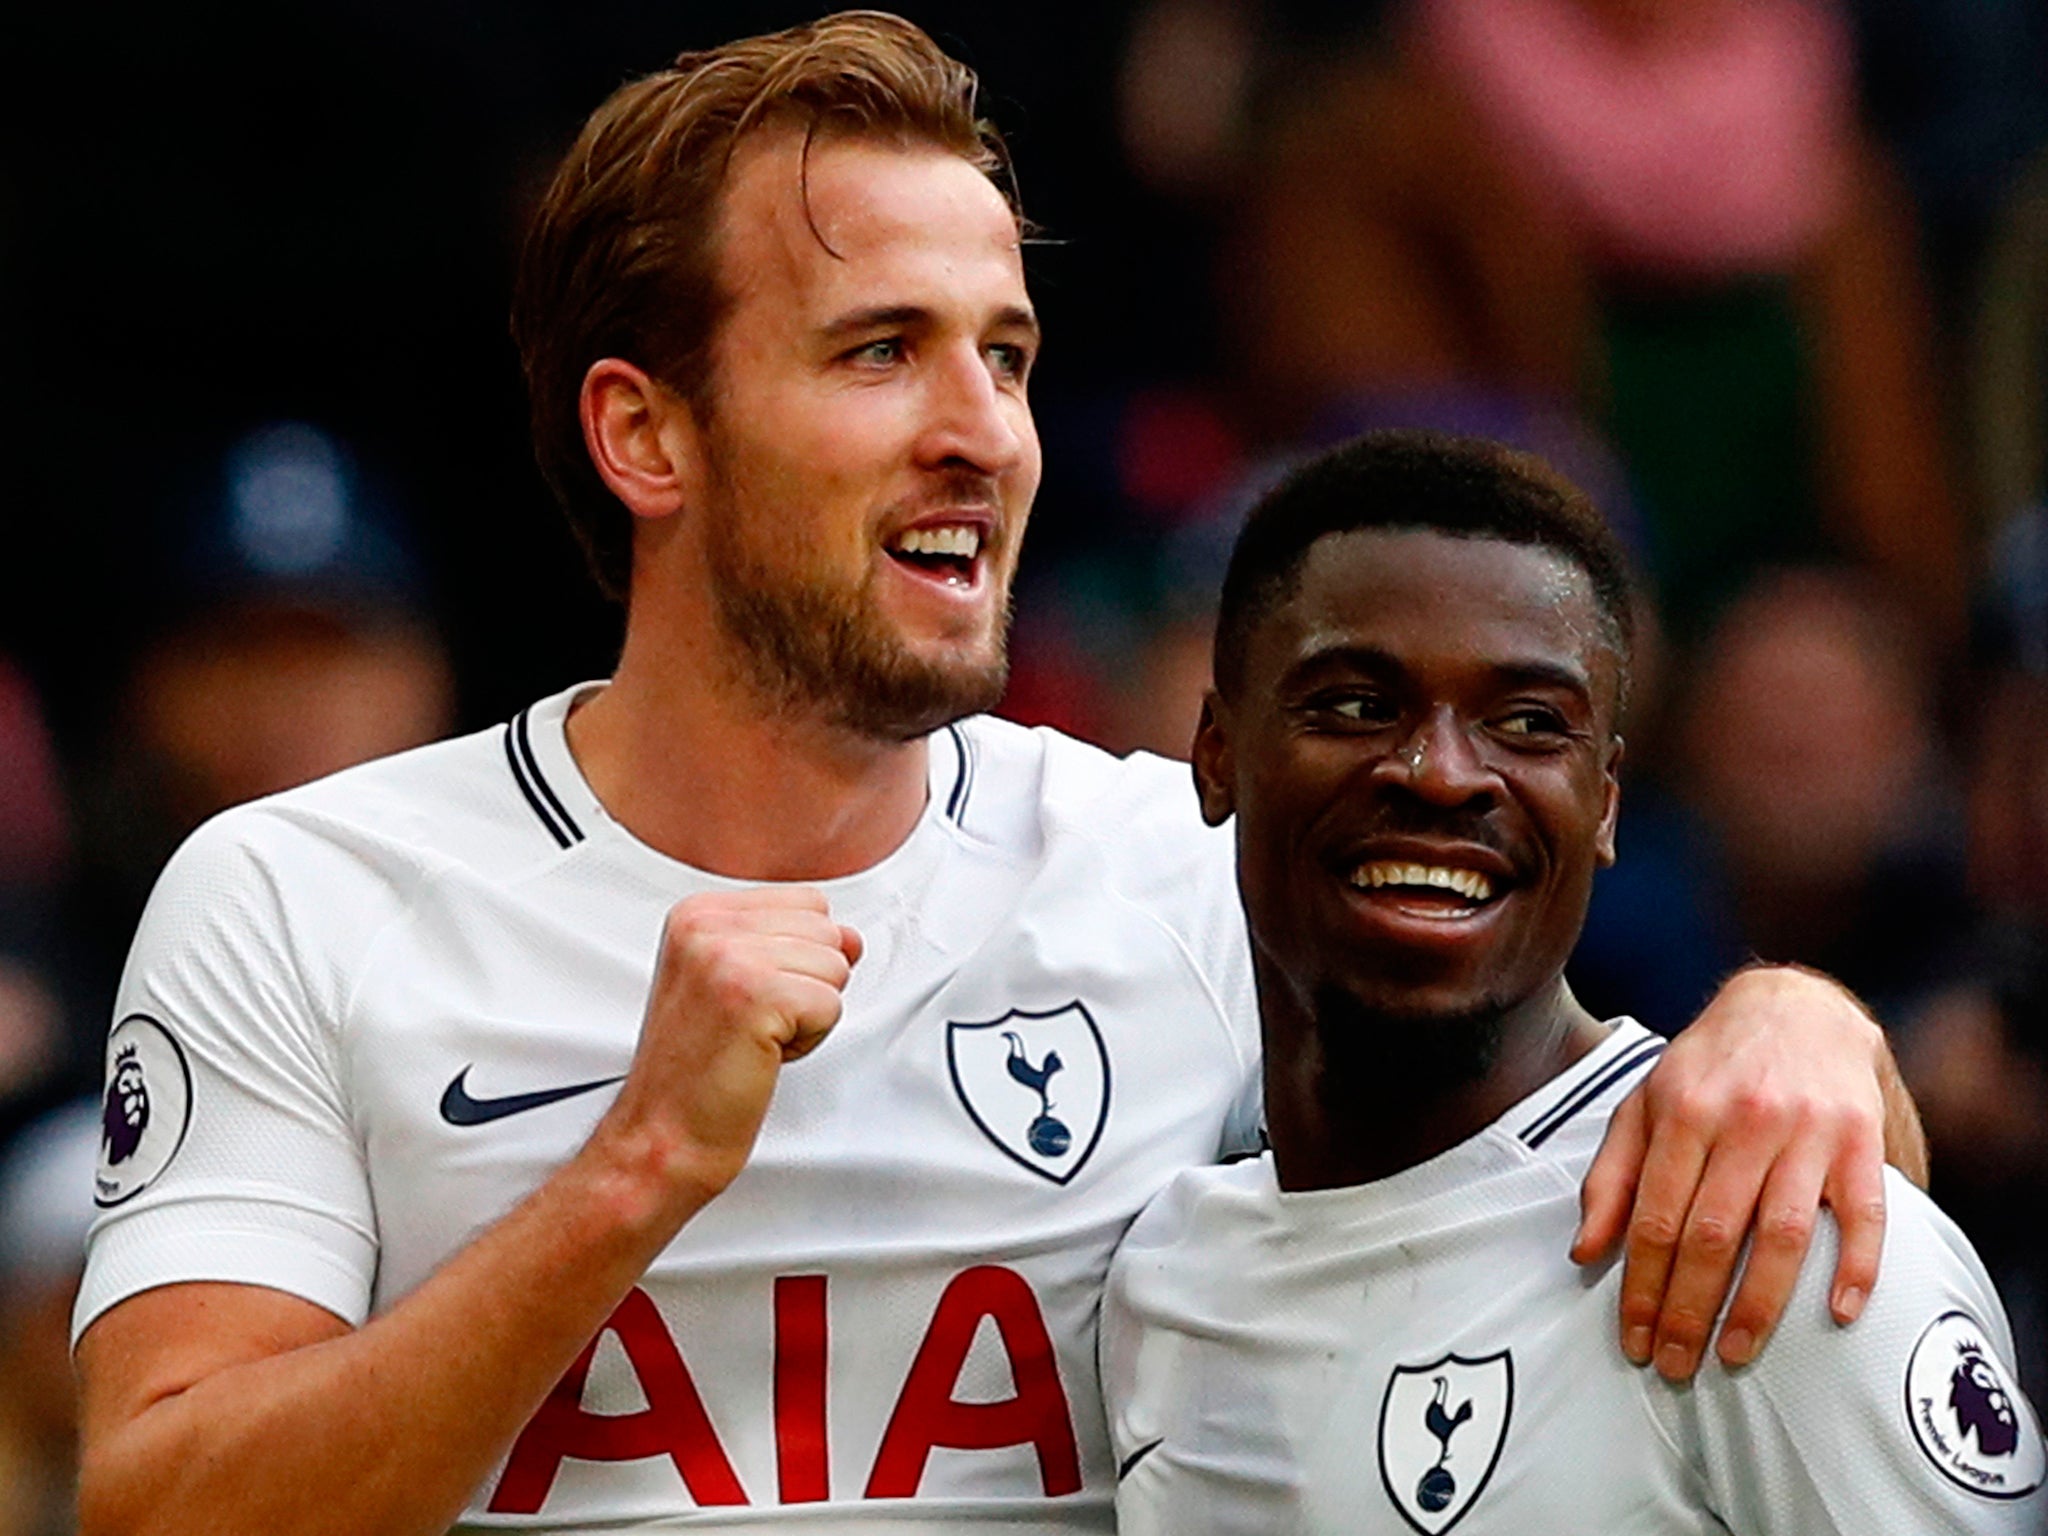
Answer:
(1419, 1353)
(363, 1019)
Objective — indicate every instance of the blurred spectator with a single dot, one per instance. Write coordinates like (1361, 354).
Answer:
(1976, 1055)
(2009, 378)
(1186, 74)
(45, 1208)
(34, 1046)
(295, 645)
(1661, 933)
(34, 836)
(1662, 208)
(34, 861)
(1959, 93)
(1808, 745)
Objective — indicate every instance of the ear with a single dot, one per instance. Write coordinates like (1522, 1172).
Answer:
(643, 440)
(1610, 814)
(1215, 773)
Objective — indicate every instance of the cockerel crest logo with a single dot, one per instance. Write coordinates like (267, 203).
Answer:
(1037, 1084)
(1442, 1426)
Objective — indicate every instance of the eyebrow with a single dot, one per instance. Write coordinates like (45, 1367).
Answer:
(1547, 674)
(884, 316)
(1528, 672)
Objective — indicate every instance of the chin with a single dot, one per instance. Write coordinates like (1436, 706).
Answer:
(910, 697)
(1439, 1037)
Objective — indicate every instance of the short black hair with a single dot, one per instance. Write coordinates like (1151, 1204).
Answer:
(1401, 481)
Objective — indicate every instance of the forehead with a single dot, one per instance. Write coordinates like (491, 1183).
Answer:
(1422, 596)
(828, 230)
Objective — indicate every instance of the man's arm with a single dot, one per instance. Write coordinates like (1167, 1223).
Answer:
(1781, 1096)
(230, 1407)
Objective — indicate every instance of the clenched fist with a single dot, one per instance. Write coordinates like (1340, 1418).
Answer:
(746, 981)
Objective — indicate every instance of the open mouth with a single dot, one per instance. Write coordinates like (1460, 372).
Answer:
(947, 552)
(1425, 890)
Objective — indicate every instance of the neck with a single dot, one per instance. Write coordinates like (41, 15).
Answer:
(1362, 1095)
(690, 763)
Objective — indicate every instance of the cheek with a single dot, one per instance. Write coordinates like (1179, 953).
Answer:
(812, 484)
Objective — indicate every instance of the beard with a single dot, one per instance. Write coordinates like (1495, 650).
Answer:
(809, 645)
(1368, 1054)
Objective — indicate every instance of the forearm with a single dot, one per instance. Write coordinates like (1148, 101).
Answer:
(390, 1427)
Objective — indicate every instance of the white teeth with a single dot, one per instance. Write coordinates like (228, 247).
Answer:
(1468, 883)
(960, 542)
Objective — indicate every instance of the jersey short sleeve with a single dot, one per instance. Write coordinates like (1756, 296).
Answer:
(1909, 1420)
(227, 1153)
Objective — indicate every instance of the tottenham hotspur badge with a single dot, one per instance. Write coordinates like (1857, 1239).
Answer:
(1036, 1083)
(146, 1111)
(1442, 1426)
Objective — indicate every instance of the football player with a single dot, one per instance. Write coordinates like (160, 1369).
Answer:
(1373, 1328)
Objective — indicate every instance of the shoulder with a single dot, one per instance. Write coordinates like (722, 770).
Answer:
(1014, 775)
(1928, 1269)
(1914, 1406)
(457, 801)
(1037, 793)
(450, 802)
(323, 867)
(1197, 1222)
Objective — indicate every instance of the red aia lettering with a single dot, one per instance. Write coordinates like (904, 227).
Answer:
(673, 1423)
(928, 1416)
(802, 1459)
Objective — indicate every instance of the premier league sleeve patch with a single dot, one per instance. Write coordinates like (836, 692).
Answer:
(147, 1109)
(1969, 1415)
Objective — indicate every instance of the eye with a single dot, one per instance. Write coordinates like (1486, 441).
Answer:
(1530, 721)
(1010, 360)
(1352, 708)
(879, 353)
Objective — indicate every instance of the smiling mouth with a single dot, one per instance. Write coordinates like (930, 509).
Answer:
(947, 552)
(1440, 890)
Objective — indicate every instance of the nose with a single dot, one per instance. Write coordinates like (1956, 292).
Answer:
(1437, 761)
(973, 420)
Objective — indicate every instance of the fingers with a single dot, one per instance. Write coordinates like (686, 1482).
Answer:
(1703, 1264)
(1785, 1217)
(1609, 1192)
(802, 955)
(1672, 1166)
(805, 1010)
(1855, 1191)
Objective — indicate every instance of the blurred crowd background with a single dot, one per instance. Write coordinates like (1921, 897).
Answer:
(1770, 277)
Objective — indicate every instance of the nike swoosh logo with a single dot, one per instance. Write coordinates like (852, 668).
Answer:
(458, 1108)
(1135, 1457)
